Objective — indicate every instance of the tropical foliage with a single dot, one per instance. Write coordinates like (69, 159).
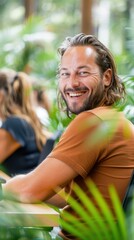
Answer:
(95, 225)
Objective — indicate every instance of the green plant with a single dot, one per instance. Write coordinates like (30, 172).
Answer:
(96, 225)
(129, 105)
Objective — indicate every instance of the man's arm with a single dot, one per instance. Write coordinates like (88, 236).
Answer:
(42, 183)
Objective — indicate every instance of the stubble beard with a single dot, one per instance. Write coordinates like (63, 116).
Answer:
(93, 101)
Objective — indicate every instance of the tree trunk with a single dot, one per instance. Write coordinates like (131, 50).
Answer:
(86, 17)
(29, 8)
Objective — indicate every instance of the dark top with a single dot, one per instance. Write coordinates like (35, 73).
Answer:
(26, 157)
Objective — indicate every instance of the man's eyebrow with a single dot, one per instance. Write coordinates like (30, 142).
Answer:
(62, 68)
(84, 66)
(80, 67)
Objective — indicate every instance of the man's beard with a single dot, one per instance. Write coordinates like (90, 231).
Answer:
(94, 100)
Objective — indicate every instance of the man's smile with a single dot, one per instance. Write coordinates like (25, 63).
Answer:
(75, 94)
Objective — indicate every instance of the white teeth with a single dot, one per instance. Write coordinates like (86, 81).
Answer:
(75, 94)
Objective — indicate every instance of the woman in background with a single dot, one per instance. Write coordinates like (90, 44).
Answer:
(42, 104)
(21, 134)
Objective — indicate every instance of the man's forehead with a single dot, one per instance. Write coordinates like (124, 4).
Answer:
(85, 50)
(78, 54)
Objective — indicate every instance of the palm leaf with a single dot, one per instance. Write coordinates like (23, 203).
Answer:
(92, 224)
(119, 213)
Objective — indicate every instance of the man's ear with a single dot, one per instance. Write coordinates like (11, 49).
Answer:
(107, 77)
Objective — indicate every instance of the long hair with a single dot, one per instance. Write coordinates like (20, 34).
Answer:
(17, 100)
(113, 93)
(7, 106)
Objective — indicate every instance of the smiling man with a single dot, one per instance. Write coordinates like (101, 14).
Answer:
(95, 145)
(81, 82)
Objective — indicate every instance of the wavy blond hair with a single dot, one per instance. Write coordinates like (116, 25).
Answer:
(17, 100)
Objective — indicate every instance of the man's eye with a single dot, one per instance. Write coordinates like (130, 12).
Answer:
(83, 73)
(64, 74)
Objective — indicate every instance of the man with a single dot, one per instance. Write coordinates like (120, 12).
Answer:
(98, 143)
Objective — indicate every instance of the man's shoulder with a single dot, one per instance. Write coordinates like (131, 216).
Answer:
(99, 115)
(100, 112)
(104, 112)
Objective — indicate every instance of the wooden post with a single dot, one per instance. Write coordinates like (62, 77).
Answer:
(86, 17)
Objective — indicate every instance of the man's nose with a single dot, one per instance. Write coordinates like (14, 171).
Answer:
(74, 81)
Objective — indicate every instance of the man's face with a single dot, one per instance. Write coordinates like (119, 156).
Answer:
(81, 83)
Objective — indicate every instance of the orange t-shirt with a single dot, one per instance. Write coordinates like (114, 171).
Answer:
(99, 145)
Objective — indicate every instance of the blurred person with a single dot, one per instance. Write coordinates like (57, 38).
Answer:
(29, 104)
(10, 74)
(96, 146)
(43, 100)
(21, 134)
(42, 104)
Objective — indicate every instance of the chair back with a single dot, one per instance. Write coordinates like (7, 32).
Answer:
(129, 194)
(49, 145)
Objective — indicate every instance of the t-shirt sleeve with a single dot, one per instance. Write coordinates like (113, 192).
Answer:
(17, 128)
(76, 146)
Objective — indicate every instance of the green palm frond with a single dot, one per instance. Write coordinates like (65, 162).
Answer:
(93, 223)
